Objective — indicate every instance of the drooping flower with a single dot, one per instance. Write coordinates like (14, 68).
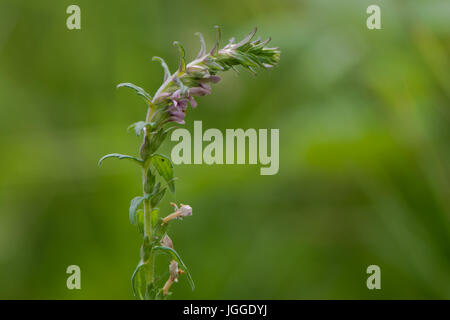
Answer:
(183, 211)
(173, 276)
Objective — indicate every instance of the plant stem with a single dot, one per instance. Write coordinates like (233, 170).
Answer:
(149, 263)
(147, 219)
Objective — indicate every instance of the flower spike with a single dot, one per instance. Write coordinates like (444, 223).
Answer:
(169, 105)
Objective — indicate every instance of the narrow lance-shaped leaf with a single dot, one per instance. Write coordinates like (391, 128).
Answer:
(177, 258)
(262, 44)
(247, 38)
(154, 217)
(202, 51)
(139, 126)
(149, 182)
(157, 137)
(141, 92)
(134, 204)
(164, 66)
(157, 195)
(216, 45)
(165, 168)
(138, 282)
(171, 181)
(180, 84)
(160, 228)
(156, 198)
(182, 67)
(119, 156)
(139, 218)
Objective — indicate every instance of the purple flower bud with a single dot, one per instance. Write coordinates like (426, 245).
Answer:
(182, 104)
(166, 241)
(176, 115)
(199, 91)
(192, 101)
(173, 270)
(185, 210)
(176, 120)
(206, 86)
(214, 79)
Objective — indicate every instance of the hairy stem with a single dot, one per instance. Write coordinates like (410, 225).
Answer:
(149, 263)
(147, 219)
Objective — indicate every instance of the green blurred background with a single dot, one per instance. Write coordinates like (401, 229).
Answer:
(364, 149)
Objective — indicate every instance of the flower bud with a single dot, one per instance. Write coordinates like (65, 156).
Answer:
(167, 242)
(173, 270)
(185, 210)
(182, 211)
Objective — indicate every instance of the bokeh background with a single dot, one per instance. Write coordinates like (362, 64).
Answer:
(364, 150)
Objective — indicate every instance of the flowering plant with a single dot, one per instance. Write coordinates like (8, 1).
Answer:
(169, 105)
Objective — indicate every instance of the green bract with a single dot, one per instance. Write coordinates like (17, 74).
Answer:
(169, 105)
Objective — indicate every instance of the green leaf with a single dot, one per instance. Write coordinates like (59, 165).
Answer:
(202, 51)
(164, 66)
(215, 49)
(246, 39)
(156, 188)
(144, 150)
(160, 228)
(156, 198)
(180, 84)
(140, 126)
(151, 293)
(141, 92)
(177, 258)
(260, 45)
(213, 65)
(119, 156)
(149, 183)
(157, 138)
(154, 217)
(165, 169)
(138, 282)
(182, 67)
(139, 218)
(134, 204)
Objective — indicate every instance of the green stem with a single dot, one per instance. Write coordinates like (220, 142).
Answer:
(147, 219)
(149, 263)
(147, 206)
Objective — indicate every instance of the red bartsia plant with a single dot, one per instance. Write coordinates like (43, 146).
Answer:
(166, 107)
